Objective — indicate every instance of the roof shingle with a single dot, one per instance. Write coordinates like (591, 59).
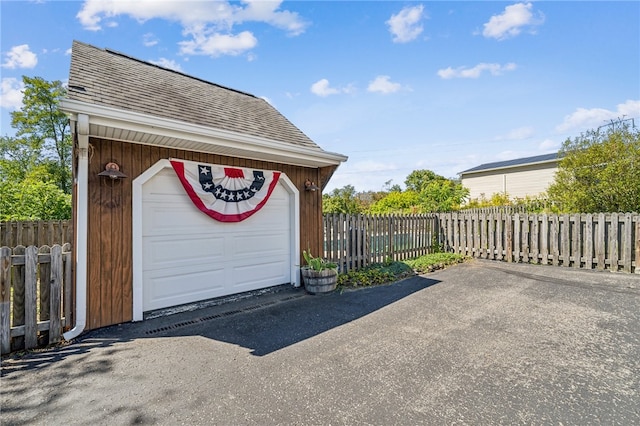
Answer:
(108, 78)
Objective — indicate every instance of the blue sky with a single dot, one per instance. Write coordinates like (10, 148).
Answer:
(395, 85)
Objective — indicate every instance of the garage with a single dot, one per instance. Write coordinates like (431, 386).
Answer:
(187, 256)
(145, 239)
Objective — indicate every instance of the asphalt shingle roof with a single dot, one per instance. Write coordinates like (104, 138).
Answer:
(109, 78)
(513, 163)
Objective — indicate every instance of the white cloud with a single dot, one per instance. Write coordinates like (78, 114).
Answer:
(207, 26)
(549, 145)
(149, 40)
(519, 134)
(405, 25)
(20, 57)
(323, 88)
(11, 96)
(267, 11)
(219, 44)
(383, 84)
(168, 63)
(367, 175)
(475, 72)
(511, 21)
(582, 118)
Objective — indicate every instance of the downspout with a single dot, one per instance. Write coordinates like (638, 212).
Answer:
(80, 230)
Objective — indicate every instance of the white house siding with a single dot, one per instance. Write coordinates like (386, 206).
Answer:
(517, 182)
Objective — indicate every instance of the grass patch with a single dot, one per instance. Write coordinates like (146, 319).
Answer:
(390, 271)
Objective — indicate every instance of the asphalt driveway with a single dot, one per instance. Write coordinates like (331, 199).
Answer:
(478, 343)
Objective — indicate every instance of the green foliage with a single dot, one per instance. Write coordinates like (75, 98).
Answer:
(433, 261)
(419, 179)
(426, 192)
(341, 200)
(407, 202)
(390, 271)
(442, 195)
(529, 204)
(42, 130)
(34, 198)
(317, 263)
(35, 165)
(380, 273)
(18, 156)
(599, 172)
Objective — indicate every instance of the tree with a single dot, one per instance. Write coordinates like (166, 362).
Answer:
(442, 195)
(43, 128)
(17, 158)
(35, 165)
(35, 197)
(419, 179)
(396, 202)
(437, 193)
(341, 200)
(599, 172)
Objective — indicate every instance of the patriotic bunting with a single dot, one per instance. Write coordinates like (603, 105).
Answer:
(227, 194)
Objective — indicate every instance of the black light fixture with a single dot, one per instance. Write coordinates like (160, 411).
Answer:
(310, 186)
(112, 171)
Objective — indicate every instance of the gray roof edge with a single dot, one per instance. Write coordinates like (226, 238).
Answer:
(537, 159)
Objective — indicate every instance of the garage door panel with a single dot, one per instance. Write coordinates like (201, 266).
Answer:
(167, 219)
(267, 274)
(171, 290)
(259, 245)
(188, 256)
(162, 253)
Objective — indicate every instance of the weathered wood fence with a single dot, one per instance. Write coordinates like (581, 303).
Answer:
(37, 233)
(589, 241)
(35, 284)
(355, 241)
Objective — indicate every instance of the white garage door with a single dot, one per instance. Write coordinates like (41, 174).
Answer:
(188, 256)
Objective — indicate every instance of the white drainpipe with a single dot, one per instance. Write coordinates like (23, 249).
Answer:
(80, 230)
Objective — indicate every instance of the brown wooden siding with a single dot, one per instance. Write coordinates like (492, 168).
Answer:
(110, 233)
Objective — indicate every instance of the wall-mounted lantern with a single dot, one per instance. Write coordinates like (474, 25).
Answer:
(112, 171)
(310, 186)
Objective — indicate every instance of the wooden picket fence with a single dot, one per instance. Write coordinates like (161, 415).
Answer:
(37, 233)
(356, 241)
(35, 284)
(589, 241)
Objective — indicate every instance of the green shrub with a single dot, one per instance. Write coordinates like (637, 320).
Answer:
(379, 273)
(390, 271)
(434, 261)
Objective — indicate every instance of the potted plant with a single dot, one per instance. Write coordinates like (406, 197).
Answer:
(319, 275)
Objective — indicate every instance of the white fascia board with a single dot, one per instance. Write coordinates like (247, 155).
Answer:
(138, 122)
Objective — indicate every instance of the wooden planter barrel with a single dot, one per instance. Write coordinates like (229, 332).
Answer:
(317, 282)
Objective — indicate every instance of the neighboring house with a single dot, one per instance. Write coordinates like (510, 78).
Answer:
(213, 202)
(518, 178)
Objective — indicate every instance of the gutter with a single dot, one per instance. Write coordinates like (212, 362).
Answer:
(82, 131)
